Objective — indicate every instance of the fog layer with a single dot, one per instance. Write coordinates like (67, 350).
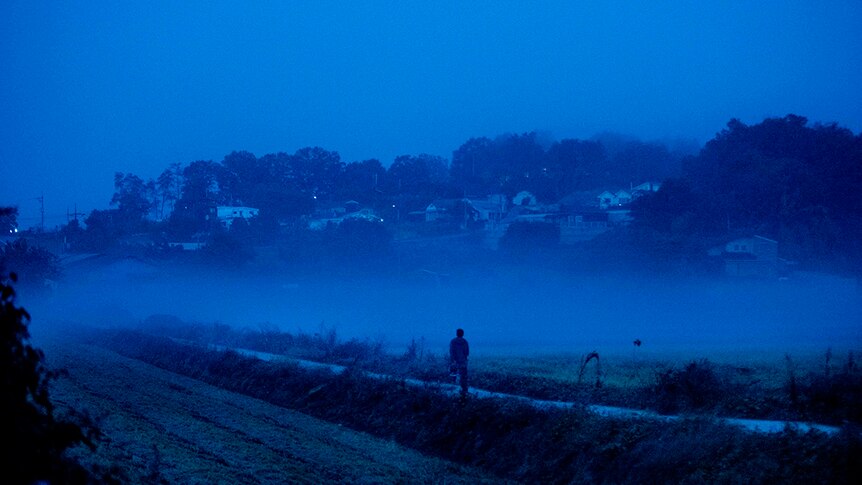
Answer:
(505, 311)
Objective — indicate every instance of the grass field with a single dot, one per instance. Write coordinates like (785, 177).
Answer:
(236, 419)
(816, 386)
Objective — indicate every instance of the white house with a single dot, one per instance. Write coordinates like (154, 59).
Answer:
(493, 208)
(582, 225)
(441, 209)
(645, 188)
(757, 247)
(363, 214)
(754, 256)
(524, 198)
(609, 199)
(227, 214)
(188, 246)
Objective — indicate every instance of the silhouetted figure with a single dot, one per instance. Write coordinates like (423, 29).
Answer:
(459, 350)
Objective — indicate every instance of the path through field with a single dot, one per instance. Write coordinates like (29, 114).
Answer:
(754, 425)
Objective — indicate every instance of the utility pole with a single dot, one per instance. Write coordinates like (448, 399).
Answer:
(41, 200)
(74, 215)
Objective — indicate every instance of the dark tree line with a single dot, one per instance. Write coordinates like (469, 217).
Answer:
(781, 178)
(286, 186)
(511, 163)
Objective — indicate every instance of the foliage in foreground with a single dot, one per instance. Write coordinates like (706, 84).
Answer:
(512, 439)
(34, 440)
(36, 267)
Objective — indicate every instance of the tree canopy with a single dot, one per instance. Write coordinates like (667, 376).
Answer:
(780, 178)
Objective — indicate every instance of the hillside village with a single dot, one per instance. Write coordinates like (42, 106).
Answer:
(579, 217)
(757, 201)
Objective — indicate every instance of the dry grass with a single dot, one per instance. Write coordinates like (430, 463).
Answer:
(160, 427)
(516, 440)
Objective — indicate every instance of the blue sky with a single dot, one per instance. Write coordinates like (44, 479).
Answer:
(91, 88)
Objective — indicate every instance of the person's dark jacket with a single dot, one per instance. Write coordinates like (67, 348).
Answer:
(459, 350)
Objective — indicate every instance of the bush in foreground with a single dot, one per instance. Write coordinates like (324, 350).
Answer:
(33, 439)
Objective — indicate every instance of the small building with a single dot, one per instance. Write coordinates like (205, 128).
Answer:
(644, 188)
(352, 206)
(438, 208)
(494, 230)
(621, 198)
(608, 199)
(582, 225)
(227, 214)
(493, 208)
(187, 246)
(446, 209)
(490, 209)
(336, 211)
(320, 224)
(524, 198)
(753, 257)
(365, 215)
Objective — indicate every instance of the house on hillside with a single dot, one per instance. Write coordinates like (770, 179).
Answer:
(449, 209)
(364, 215)
(490, 209)
(227, 214)
(321, 223)
(583, 225)
(188, 245)
(608, 199)
(620, 198)
(336, 211)
(494, 230)
(586, 214)
(524, 198)
(750, 257)
(644, 188)
(352, 206)
(195, 242)
(581, 216)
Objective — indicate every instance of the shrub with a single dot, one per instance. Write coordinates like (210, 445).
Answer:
(529, 237)
(33, 439)
(693, 388)
(225, 250)
(835, 396)
(36, 266)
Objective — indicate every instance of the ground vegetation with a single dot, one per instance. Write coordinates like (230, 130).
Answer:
(509, 438)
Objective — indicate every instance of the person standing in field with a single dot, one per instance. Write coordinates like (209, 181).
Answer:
(459, 350)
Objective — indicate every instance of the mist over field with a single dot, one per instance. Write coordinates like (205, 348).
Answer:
(512, 310)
